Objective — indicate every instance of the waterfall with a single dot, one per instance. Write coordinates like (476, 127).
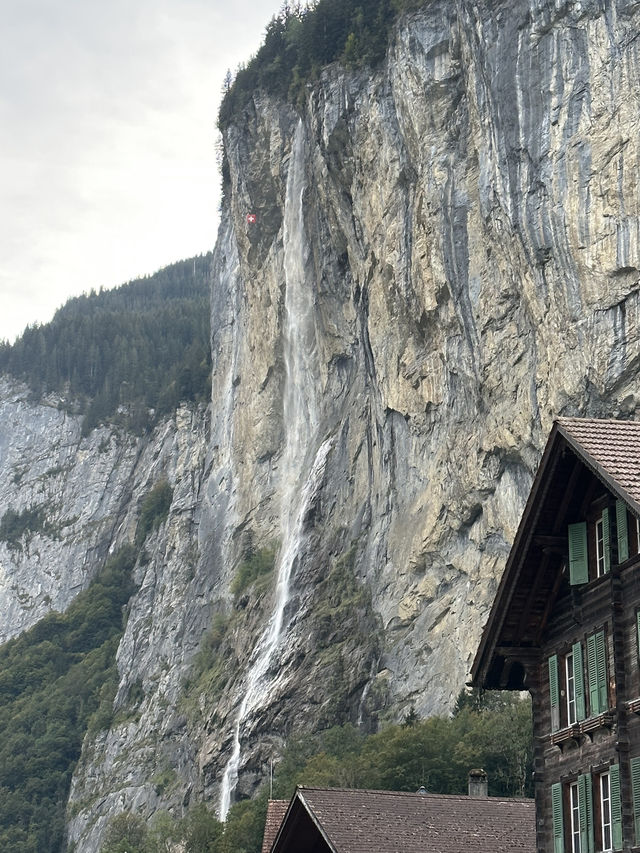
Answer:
(299, 483)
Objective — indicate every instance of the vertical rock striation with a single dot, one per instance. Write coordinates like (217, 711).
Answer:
(467, 249)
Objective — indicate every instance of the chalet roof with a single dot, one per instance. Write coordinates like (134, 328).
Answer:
(276, 810)
(577, 448)
(612, 449)
(352, 821)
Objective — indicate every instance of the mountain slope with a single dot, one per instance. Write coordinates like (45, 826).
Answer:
(444, 258)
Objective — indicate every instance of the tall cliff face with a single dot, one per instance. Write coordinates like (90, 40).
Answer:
(468, 248)
(445, 258)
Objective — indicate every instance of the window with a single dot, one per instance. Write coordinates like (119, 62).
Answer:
(590, 548)
(571, 690)
(600, 560)
(575, 685)
(574, 806)
(605, 811)
(572, 709)
(587, 818)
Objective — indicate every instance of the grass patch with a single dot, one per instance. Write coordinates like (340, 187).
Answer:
(154, 510)
(255, 564)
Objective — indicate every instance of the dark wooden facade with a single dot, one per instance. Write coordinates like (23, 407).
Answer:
(565, 626)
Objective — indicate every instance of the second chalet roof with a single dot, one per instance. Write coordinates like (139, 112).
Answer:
(576, 448)
(353, 821)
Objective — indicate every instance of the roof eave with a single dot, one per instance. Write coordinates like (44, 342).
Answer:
(493, 625)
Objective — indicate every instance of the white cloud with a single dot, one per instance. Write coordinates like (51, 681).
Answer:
(107, 156)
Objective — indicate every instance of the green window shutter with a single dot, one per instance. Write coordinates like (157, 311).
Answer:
(635, 790)
(558, 820)
(592, 671)
(554, 693)
(623, 532)
(585, 806)
(606, 540)
(578, 562)
(616, 808)
(601, 669)
(578, 678)
(591, 838)
(597, 672)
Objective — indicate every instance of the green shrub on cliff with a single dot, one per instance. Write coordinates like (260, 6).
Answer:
(154, 510)
(254, 565)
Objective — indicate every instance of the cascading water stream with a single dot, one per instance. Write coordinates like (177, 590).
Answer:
(300, 424)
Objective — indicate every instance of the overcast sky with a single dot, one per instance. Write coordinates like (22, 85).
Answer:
(107, 139)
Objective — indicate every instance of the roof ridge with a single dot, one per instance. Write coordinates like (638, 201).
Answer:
(586, 420)
(428, 794)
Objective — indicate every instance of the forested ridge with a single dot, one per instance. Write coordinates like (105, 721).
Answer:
(300, 40)
(124, 354)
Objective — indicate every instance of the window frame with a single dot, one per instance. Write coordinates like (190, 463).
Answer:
(606, 819)
(574, 818)
(570, 688)
(601, 563)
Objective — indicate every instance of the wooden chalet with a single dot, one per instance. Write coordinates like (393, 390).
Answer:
(321, 820)
(565, 625)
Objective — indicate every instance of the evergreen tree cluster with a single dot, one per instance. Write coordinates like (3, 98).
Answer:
(300, 40)
(120, 353)
(53, 680)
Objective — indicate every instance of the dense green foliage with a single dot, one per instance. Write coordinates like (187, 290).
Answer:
(493, 732)
(154, 510)
(199, 832)
(255, 564)
(119, 353)
(52, 680)
(300, 41)
(437, 752)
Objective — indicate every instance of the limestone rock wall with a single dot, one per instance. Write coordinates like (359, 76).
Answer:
(468, 238)
(470, 218)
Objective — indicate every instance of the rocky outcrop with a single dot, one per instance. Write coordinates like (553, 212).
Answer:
(445, 258)
(68, 496)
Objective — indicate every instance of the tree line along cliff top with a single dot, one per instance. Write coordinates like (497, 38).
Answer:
(300, 41)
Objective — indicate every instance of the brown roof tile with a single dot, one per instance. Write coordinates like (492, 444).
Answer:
(276, 810)
(611, 448)
(389, 822)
